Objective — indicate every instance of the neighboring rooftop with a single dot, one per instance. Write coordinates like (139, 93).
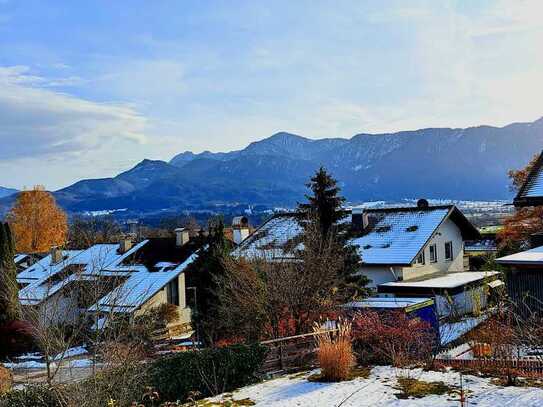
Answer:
(391, 303)
(452, 282)
(141, 271)
(393, 236)
(531, 193)
(527, 257)
(484, 245)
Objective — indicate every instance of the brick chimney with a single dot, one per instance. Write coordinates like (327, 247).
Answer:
(125, 244)
(359, 219)
(56, 255)
(240, 229)
(182, 237)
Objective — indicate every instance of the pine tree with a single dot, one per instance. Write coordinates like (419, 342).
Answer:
(9, 301)
(203, 274)
(325, 206)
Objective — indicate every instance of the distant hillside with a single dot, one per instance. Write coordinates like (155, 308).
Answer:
(7, 192)
(443, 163)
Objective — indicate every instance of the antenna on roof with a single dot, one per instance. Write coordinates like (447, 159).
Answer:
(423, 204)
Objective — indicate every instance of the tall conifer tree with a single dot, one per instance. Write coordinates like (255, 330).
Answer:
(325, 206)
(9, 301)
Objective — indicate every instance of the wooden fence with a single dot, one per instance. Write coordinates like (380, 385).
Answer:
(290, 353)
(529, 367)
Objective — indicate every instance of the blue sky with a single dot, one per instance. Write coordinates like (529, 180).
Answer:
(89, 88)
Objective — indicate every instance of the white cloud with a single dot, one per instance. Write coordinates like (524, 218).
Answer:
(38, 121)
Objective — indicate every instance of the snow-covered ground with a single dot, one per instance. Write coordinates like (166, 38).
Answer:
(379, 390)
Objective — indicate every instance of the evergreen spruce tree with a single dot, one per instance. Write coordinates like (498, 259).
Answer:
(9, 301)
(203, 274)
(325, 206)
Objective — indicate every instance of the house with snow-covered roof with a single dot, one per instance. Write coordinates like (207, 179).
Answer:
(531, 193)
(396, 245)
(122, 279)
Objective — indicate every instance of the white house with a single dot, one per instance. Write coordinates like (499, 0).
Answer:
(111, 278)
(406, 244)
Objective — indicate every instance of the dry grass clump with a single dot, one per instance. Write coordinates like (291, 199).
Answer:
(418, 388)
(335, 352)
(6, 380)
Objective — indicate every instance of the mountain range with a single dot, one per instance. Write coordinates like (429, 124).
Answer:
(447, 163)
(7, 192)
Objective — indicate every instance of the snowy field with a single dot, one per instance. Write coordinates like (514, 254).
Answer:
(379, 390)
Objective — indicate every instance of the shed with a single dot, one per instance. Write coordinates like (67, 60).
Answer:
(423, 308)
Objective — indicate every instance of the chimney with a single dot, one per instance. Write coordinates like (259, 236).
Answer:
(125, 244)
(359, 219)
(133, 227)
(423, 204)
(182, 237)
(240, 229)
(56, 255)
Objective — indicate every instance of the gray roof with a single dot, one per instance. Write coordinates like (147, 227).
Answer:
(395, 235)
(531, 193)
(529, 257)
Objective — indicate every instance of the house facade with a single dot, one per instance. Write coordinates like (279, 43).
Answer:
(122, 280)
(397, 246)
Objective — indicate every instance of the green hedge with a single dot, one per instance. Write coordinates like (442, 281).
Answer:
(30, 396)
(208, 371)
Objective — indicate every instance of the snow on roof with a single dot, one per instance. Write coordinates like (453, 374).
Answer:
(388, 302)
(139, 288)
(270, 240)
(451, 280)
(20, 257)
(485, 245)
(396, 235)
(532, 256)
(532, 190)
(137, 282)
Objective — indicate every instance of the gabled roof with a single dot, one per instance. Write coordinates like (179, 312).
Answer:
(531, 193)
(140, 272)
(395, 235)
(270, 241)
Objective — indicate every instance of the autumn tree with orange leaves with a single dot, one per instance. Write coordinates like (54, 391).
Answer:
(37, 222)
(524, 222)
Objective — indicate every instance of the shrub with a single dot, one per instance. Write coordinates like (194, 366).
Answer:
(392, 338)
(124, 384)
(208, 372)
(335, 353)
(30, 396)
(418, 388)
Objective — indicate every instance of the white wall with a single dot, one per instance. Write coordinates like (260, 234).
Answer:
(380, 275)
(447, 232)
(470, 301)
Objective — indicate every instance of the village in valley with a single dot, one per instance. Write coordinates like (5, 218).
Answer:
(325, 304)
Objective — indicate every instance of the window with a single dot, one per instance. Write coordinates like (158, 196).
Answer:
(172, 292)
(420, 258)
(448, 251)
(433, 253)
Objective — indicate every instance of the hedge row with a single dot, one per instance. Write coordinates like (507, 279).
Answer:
(201, 373)
(208, 372)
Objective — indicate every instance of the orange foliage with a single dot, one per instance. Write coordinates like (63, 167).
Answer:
(37, 222)
(518, 228)
(524, 222)
(518, 177)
